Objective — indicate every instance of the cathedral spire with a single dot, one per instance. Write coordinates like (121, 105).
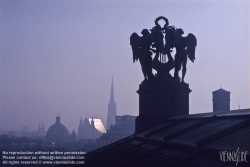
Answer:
(112, 98)
(92, 122)
(111, 108)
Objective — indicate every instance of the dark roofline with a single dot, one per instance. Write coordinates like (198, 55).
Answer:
(221, 91)
(228, 114)
(234, 113)
(166, 136)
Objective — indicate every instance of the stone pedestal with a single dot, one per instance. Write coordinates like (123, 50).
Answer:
(159, 100)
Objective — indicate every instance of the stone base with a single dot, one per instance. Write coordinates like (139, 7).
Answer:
(159, 100)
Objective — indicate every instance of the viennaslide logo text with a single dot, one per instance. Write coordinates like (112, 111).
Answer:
(233, 156)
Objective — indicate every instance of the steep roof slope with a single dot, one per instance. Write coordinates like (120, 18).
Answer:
(194, 140)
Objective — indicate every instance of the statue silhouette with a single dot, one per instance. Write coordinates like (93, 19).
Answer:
(185, 47)
(144, 47)
(141, 50)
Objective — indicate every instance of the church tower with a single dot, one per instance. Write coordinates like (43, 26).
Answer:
(221, 100)
(39, 127)
(80, 128)
(111, 108)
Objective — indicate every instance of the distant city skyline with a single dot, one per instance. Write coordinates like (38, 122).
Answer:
(59, 56)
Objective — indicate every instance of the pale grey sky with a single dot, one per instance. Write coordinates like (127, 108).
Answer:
(58, 56)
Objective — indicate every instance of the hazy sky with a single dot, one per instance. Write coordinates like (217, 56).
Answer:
(59, 56)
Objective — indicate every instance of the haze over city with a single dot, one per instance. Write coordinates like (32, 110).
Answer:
(58, 57)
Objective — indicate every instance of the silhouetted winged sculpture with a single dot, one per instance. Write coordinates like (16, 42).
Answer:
(142, 51)
(144, 47)
(185, 47)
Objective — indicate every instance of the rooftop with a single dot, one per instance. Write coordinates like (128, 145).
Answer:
(193, 140)
(221, 91)
(98, 124)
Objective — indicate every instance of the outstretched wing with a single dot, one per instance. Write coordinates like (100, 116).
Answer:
(191, 45)
(135, 42)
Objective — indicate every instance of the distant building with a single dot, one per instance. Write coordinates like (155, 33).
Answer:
(127, 122)
(90, 128)
(98, 125)
(32, 134)
(73, 137)
(11, 134)
(124, 127)
(57, 132)
(40, 133)
(221, 100)
(111, 108)
(80, 130)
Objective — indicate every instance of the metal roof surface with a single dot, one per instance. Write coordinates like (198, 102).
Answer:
(194, 140)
